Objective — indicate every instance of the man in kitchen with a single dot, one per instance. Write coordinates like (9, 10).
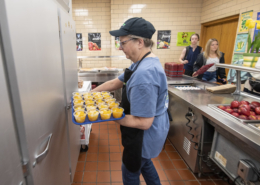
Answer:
(190, 53)
(145, 101)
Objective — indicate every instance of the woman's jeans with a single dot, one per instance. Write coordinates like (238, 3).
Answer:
(210, 76)
(148, 171)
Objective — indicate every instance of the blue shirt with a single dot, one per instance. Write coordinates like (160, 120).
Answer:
(147, 92)
(191, 57)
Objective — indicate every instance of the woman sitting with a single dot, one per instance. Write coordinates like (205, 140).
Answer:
(211, 55)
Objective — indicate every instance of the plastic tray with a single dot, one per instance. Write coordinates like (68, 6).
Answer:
(90, 122)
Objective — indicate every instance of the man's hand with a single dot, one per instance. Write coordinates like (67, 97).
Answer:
(195, 74)
(185, 62)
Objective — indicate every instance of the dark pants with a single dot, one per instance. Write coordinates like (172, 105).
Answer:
(188, 72)
(147, 170)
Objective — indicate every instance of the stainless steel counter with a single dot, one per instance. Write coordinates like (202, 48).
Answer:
(240, 134)
(98, 76)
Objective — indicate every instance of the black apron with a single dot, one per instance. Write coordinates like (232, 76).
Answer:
(132, 138)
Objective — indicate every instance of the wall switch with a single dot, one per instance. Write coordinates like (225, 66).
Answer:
(246, 172)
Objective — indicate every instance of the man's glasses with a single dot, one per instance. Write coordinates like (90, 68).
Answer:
(124, 42)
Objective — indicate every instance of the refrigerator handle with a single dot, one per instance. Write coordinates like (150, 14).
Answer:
(39, 157)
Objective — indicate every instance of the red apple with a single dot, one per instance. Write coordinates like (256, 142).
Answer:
(243, 117)
(244, 102)
(257, 110)
(245, 106)
(229, 110)
(251, 117)
(235, 114)
(245, 111)
(252, 113)
(235, 104)
(252, 106)
(235, 110)
(255, 103)
(222, 107)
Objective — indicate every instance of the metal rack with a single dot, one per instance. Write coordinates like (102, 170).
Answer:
(238, 69)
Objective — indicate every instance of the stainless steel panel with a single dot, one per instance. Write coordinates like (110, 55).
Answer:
(70, 81)
(38, 69)
(10, 154)
(178, 133)
(230, 154)
(98, 77)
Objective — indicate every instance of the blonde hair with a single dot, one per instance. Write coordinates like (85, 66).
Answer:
(207, 50)
(147, 42)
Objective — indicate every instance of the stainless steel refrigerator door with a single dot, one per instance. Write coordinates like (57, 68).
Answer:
(33, 27)
(10, 155)
(70, 80)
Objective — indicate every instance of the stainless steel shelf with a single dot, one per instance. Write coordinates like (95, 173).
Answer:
(238, 68)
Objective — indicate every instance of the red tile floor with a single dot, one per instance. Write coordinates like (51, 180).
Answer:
(101, 164)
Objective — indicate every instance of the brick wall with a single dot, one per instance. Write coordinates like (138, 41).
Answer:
(91, 17)
(212, 9)
(174, 15)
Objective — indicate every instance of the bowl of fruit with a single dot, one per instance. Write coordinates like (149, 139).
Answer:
(241, 110)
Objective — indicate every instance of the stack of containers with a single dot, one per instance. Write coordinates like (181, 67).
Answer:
(173, 69)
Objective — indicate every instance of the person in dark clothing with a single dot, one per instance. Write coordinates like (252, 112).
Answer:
(211, 55)
(190, 54)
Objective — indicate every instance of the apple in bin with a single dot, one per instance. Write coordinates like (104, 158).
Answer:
(243, 117)
(244, 102)
(252, 106)
(252, 113)
(222, 107)
(235, 104)
(257, 110)
(255, 103)
(251, 117)
(245, 111)
(229, 110)
(235, 110)
(235, 114)
(245, 106)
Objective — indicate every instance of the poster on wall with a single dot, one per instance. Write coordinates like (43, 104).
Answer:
(164, 39)
(257, 30)
(183, 38)
(244, 17)
(236, 58)
(94, 41)
(117, 43)
(79, 46)
(240, 45)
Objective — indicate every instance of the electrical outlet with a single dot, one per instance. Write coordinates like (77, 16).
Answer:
(246, 172)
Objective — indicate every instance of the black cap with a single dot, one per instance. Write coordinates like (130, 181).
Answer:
(135, 26)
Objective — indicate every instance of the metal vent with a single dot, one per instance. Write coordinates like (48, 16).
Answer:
(186, 145)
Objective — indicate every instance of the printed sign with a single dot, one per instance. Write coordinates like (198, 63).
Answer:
(94, 41)
(241, 41)
(164, 39)
(244, 17)
(183, 38)
(79, 45)
(220, 159)
(117, 43)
